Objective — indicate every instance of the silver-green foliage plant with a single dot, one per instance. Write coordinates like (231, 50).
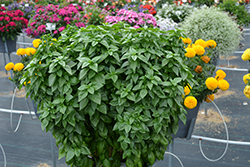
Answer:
(110, 92)
(212, 23)
(176, 12)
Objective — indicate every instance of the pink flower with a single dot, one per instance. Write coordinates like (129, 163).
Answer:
(29, 31)
(55, 32)
(61, 29)
(67, 19)
(12, 23)
(33, 23)
(7, 18)
(1, 18)
(136, 26)
(41, 28)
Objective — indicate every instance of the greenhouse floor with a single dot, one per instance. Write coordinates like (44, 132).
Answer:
(31, 147)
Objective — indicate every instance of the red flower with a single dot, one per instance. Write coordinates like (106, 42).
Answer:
(7, 18)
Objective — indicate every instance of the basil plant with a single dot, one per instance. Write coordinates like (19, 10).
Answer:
(110, 93)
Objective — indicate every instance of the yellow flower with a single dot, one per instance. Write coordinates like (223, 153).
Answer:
(190, 52)
(36, 42)
(247, 91)
(220, 74)
(211, 83)
(186, 40)
(190, 102)
(246, 78)
(209, 98)
(26, 83)
(20, 51)
(201, 42)
(187, 89)
(40, 62)
(199, 50)
(190, 45)
(205, 59)
(30, 51)
(9, 66)
(18, 66)
(223, 84)
(246, 55)
(211, 44)
(54, 39)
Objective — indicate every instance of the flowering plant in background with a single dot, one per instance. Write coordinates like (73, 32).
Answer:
(246, 78)
(199, 54)
(176, 12)
(95, 15)
(60, 16)
(166, 24)
(28, 10)
(26, 56)
(132, 18)
(149, 8)
(11, 23)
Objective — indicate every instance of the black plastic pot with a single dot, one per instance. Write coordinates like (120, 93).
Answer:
(11, 45)
(185, 131)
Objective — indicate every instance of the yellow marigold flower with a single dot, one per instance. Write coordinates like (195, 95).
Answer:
(186, 40)
(190, 52)
(211, 44)
(190, 102)
(18, 66)
(30, 51)
(223, 84)
(40, 62)
(20, 51)
(9, 66)
(36, 42)
(190, 45)
(247, 91)
(205, 59)
(246, 78)
(211, 83)
(187, 90)
(220, 74)
(54, 39)
(209, 98)
(199, 50)
(246, 55)
(201, 42)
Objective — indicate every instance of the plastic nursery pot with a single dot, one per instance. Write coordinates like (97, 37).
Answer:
(185, 131)
(11, 45)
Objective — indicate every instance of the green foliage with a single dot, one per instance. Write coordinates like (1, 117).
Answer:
(200, 3)
(239, 11)
(212, 23)
(110, 92)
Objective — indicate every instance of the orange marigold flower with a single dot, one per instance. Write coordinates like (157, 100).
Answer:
(209, 98)
(205, 59)
(198, 69)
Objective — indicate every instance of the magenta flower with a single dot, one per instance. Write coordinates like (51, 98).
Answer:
(12, 23)
(55, 32)
(42, 28)
(61, 29)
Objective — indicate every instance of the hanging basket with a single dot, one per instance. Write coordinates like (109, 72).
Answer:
(11, 45)
(185, 131)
